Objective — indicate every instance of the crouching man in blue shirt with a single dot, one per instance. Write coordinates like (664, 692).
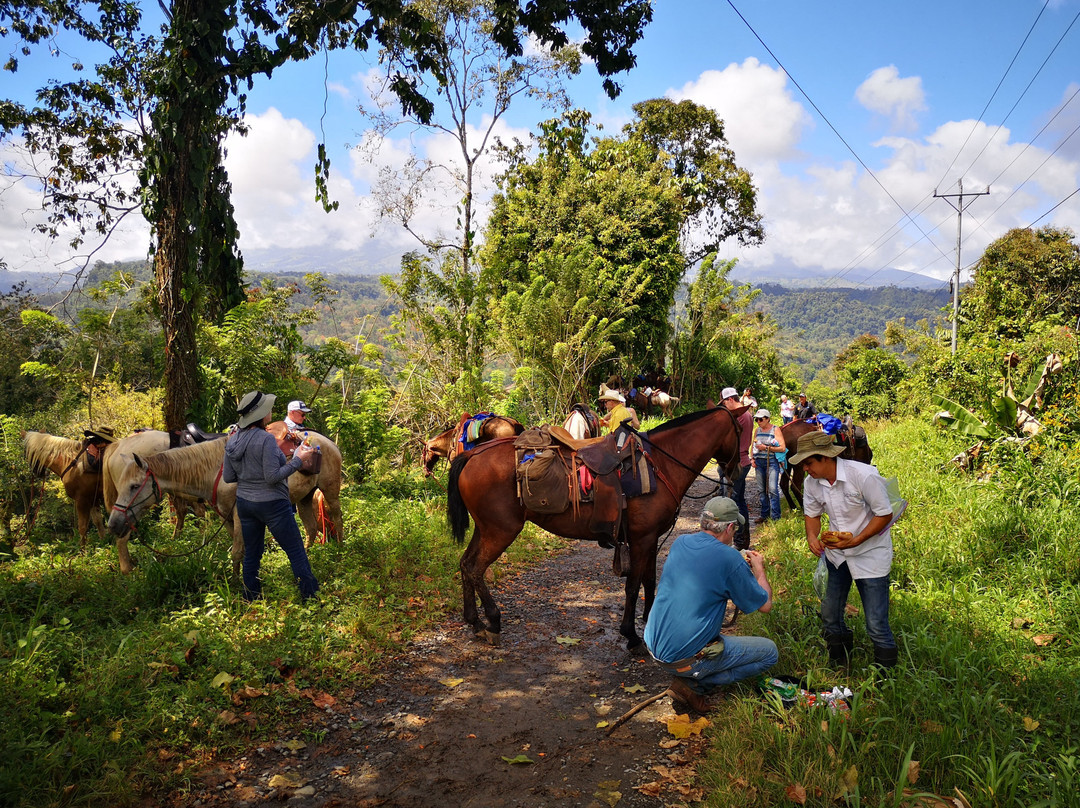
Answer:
(702, 572)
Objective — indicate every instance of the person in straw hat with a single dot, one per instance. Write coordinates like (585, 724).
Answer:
(255, 463)
(857, 546)
(617, 411)
(702, 572)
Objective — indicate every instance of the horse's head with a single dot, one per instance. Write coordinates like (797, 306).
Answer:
(136, 490)
(428, 459)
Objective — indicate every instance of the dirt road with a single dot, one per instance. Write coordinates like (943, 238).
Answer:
(440, 728)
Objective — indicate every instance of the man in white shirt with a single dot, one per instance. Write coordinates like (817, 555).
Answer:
(294, 417)
(857, 546)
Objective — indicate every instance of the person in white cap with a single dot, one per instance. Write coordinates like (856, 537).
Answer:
(702, 572)
(729, 397)
(617, 411)
(294, 415)
(787, 410)
(255, 463)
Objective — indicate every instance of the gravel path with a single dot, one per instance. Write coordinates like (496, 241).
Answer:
(438, 728)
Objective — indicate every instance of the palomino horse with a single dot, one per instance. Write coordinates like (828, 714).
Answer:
(195, 471)
(46, 452)
(793, 476)
(482, 485)
(581, 427)
(448, 444)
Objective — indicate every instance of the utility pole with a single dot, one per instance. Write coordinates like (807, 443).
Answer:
(959, 207)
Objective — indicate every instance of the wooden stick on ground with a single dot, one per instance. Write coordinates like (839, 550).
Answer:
(637, 708)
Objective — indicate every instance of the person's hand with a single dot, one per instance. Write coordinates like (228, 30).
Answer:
(756, 559)
(817, 547)
(304, 451)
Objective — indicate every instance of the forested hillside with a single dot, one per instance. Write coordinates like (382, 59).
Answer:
(815, 325)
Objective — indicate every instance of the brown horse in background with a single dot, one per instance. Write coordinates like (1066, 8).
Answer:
(483, 485)
(448, 444)
(793, 476)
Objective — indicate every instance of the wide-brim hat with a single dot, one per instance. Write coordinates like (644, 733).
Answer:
(814, 443)
(723, 509)
(612, 395)
(254, 407)
(104, 433)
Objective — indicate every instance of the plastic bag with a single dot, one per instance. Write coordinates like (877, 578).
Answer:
(899, 504)
(821, 577)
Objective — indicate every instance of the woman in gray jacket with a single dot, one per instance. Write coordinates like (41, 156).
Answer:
(255, 463)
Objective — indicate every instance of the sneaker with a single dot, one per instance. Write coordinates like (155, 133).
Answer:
(680, 691)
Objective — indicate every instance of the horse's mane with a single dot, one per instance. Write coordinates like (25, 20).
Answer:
(682, 420)
(42, 448)
(188, 464)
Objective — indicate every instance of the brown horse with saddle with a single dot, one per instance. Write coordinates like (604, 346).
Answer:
(486, 485)
(851, 437)
(449, 444)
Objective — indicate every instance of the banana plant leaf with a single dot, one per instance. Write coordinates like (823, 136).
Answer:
(961, 419)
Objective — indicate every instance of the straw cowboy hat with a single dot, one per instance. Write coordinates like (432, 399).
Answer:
(254, 407)
(607, 394)
(814, 443)
(103, 434)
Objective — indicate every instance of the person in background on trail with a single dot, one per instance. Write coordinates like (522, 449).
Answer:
(617, 411)
(702, 572)
(255, 463)
(804, 410)
(748, 400)
(768, 446)
(787, 410)
(729, 397)
(294, 415)
(857, 546)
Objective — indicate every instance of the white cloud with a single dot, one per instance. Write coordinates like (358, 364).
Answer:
(762, 121)
(900, 100)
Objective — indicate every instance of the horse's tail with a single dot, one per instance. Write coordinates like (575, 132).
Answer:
(457, 515)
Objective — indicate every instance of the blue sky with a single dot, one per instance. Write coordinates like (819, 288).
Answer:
(905, 85)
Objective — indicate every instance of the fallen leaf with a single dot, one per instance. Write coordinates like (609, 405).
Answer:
(116, 734)
(247, 693)
(602, 709)
(634, 688)
(1043, 639)
(912, 771)
(323, 700)
(796, 793)
(228, 718)
(602, 724)
(222, 679)
(650, 789)
(288, 780)
(518, 759)
(189, 655)
(851, 610)
(669, 743)
(681, 727)
(451, 682)
(567, 640)
(341, 771)
(295, 745)
(1030, 724)
(933, 727)
(608, 797)
(850, 780)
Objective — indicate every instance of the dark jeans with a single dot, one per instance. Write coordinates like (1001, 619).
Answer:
(875, 600)
(277, 515)
(738, 493)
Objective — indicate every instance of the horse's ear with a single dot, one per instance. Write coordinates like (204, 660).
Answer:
(139, 462)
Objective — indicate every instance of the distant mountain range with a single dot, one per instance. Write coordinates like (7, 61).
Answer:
(330, 261)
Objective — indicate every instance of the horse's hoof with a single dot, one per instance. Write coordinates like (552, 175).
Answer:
(493, 637)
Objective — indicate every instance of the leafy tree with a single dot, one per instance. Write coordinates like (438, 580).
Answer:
(161, 106)
(1022, 278)
(18, 392)
(719, 198)
(869, 375)
(608, 196)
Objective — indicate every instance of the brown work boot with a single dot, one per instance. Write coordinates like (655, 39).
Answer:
(680, 691)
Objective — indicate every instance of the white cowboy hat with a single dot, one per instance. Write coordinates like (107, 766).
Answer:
(612, 395)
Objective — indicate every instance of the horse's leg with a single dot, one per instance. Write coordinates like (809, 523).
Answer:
(179, 512)
(487, 544)
(236, 552)
(126, 564)
(640, 557)
(99, 522)
(307, 516)
(332, 510)
(785, 486)
(82, 522)
(648, 582)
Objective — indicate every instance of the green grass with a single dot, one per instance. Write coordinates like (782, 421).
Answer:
(978, 574)
(107, 681)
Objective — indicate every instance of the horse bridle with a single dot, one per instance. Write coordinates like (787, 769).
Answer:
(155, 492)
(670, 456)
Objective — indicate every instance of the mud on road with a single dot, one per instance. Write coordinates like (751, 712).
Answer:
(439, 727)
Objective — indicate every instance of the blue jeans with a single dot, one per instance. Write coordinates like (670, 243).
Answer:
(277, 515)
(875, 600)
(743, 658)
(770, 504)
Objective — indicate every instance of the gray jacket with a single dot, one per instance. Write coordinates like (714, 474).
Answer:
(254, 461)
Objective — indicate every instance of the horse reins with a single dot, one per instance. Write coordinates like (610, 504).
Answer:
(126, 509)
